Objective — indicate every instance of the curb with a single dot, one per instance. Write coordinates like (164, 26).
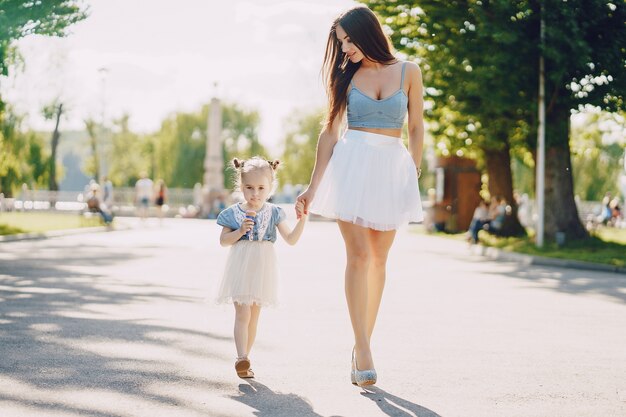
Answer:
(499, 254)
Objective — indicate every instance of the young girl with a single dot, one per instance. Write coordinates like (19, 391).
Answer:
(250, 276)
(366, 179)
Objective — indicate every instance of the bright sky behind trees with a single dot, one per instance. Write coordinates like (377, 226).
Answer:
(163, 56)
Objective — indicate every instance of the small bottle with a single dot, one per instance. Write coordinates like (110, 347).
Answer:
(250, 214)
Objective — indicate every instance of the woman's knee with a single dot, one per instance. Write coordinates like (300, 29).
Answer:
(358, 257)
(378, 260)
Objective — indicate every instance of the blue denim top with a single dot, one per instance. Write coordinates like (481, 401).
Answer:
(389, 112)
(265, 221)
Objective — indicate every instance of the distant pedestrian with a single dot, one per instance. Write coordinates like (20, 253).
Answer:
(160, 198)
(143, 195)
(249, 228)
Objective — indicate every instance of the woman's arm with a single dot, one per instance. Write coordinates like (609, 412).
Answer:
(416, 112)
(325, 144)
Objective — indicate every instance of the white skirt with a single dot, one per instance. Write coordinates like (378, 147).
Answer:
(251, 275)
(371, 181)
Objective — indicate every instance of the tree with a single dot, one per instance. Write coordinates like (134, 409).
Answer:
(23, 159)
(598, 144)
(176, 152)
(20, 18)
(128, 156)
(480, 58)
(240, 137)
(453, 41)
(54, 111)
(299, 147)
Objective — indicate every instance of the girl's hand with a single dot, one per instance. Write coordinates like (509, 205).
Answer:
(246, 226)
(305, 198)
(300, 210)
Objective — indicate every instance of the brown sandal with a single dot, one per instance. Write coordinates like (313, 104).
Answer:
(242, 366)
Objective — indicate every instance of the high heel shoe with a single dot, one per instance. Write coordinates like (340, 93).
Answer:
(352, 376)
(362, 378)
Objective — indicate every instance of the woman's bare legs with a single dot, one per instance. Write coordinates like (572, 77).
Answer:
(357, 262)
(379, 245)
(366, 258)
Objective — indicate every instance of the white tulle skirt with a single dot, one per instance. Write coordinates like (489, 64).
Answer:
(251, 275)
(370, 181)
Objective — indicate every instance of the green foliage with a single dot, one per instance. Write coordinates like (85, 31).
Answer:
(300, 146)
(598, 147)
(179, 148)
(176, 151)
(22, 154)
(480, 58)
(20, 18)
(23, 157)
(127, 155)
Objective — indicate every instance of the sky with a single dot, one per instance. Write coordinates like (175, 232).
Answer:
(152, 58)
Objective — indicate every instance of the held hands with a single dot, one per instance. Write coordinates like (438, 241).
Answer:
(305, 198)
(300, 213)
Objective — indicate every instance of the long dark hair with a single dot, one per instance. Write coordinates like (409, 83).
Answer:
(366, 33)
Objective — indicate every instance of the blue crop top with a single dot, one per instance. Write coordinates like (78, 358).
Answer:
(389, 112)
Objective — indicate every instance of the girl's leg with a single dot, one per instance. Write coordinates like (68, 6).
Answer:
(242, 321)
(357, 260)
(379, 245)
(255, 310)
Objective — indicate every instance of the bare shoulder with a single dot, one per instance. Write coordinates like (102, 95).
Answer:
(412, 70)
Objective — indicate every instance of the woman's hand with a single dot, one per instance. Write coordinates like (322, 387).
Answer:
(305, 199)
(300, 210)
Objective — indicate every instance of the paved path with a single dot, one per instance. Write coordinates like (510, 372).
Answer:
(117, 324)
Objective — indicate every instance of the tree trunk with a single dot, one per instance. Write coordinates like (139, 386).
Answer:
(53, 185)
(501, 184)
(561, 213)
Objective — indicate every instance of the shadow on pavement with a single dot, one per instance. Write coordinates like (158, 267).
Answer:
(395, 406)
(271, 404)
(56, 335)
(572, 281)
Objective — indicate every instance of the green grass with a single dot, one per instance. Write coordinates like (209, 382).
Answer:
(17, 222)
(605, 246)
(610, 234)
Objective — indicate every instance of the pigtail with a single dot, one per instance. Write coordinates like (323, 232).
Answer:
(238, 163)
(274, 164)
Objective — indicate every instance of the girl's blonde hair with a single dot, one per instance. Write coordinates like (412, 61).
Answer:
(256, 163)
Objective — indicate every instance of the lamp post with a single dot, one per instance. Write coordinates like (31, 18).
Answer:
(541, 140)
(101, 163)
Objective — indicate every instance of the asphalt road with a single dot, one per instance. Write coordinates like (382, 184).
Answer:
(120, 324)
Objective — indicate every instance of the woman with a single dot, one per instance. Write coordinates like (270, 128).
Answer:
(367, 180)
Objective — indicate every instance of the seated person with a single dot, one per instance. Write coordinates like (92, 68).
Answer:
(497, 214)
(479, 219)
(94, 205)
